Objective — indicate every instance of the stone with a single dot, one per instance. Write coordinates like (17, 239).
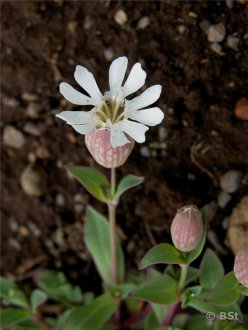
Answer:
(223, 199)
(145, 152)
(108, 54)
(232, 42)
(34, 109)
(204, 25)
(71, 26)
(14, 244)
(34, 228)
(241, 108)
(12, 137)
(11, 102)
(216, 33)
(216, 48)
(13, 224)
(121, 17)
(181, 29)
(31, 129)
(29, 97)
(32, 181)
(230, 181)
(143, 23)
(237, 232)
(60, 200)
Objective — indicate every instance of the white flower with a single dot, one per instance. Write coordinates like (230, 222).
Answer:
(112, 111)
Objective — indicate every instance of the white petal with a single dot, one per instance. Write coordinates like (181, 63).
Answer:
(150, 117)
(117, 137)
(75, 117)
(84, 129)
(135, 130)
(135, 80)
(117, 72)
(73, 96)
(86, 80)
(148, 97)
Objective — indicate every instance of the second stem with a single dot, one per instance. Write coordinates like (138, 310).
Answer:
(112, 229)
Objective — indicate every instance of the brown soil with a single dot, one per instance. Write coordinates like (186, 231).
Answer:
(42, 41)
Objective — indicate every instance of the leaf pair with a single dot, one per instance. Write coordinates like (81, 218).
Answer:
(98, 185)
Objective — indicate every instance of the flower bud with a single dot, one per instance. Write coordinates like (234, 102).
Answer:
(241, 267)
(187, 228)
(98, 144)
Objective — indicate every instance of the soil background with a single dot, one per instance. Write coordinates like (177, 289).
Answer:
(182, 159)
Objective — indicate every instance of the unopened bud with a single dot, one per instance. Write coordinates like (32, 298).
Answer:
(98, 144)
(241, 267)
(187, 228)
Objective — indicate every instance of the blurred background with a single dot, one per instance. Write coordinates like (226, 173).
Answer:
(197, 51)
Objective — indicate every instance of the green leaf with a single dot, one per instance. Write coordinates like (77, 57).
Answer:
(160, 311)
(129, 181)
(98, 243)
(211, 270)
(93, 181)
(162, 290)
(37, 298)
(229, 325)
(13, 316)
(94, 315)
(192, 275)
(226, 292)
(121, 291)
(197, 251)
(243, 290)
(58, 288)
(30, 325)
(12, 294)
(199, 322)
(163, 253)
(204, 307)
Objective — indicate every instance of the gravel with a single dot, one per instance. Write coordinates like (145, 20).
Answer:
(121, 17)
(223, 199)
(12, 137)
(32, 181)
(216, 33)
(230, 181)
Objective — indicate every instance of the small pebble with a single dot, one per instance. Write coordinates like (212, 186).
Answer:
(241, 109)
(30, 97)
(232, 42)
(216, 48)
(223, 199)
(33, 110)
(121, 17)
(13, 224)
(71, 26)
(60, 200)
(79, 198)
(14, 244)
(32, 181)
(11, 102)
(204, 25)
(88, 23)
(162, 133)
(78, 208)
(229, 4)
(143, 23)
(230, 181)
(12, 137)
(181, 29)
(31, 129)
(34, 228)
(23, 231)
(108, 53)
(42, 153)
(191, 176)
(145, 152)
(216, 33)
(59, 237)
(225, 223)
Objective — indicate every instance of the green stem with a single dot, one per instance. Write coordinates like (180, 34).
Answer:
(112, 230)
(183, 275)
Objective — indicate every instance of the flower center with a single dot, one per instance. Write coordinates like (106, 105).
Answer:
(111, 110)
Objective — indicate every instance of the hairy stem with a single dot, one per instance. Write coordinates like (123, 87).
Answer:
(112, 230)
(184, 270)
